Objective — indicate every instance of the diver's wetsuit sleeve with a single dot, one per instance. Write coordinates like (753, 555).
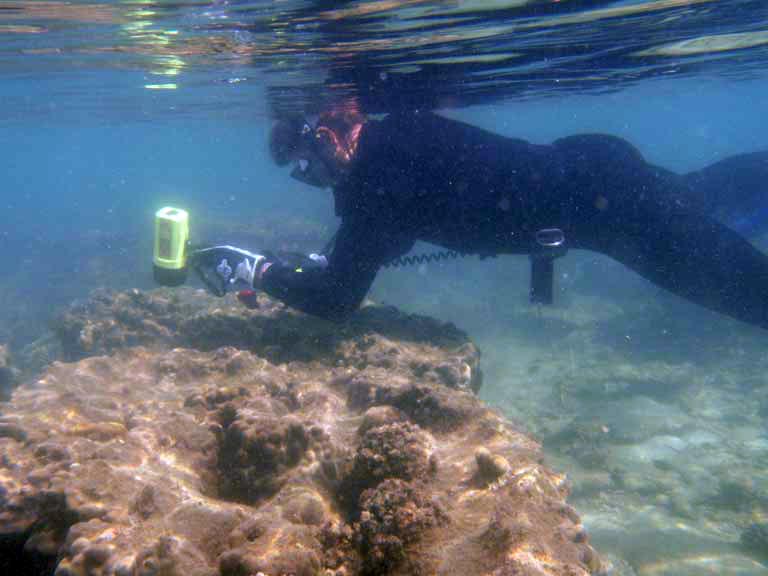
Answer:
(336, 290)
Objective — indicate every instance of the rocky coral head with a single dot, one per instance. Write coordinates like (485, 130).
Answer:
(393, 516)
(295, 447)
(254, 452)
(398, 450)
(375, 336)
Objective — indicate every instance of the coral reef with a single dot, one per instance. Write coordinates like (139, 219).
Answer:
(236, 443)
(36, 356)
(161, 319)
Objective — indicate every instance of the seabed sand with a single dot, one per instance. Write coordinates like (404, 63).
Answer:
(654, 407)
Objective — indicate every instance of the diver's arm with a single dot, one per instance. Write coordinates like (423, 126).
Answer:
(335, 290)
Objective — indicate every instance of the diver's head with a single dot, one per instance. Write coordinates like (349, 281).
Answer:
(286, 138)
(322, 154)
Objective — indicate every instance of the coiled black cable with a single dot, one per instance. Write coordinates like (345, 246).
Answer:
(413, 260)
(425, 258)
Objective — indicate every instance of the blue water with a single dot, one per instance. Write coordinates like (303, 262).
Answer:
(66, 168)
(66, 173)
(92, 142)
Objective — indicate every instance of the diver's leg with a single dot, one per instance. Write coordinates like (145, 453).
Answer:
(691, 255)
(642, 216)
(736, 181)
(734, 190)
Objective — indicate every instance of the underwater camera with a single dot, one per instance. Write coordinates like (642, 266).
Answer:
(170, 251)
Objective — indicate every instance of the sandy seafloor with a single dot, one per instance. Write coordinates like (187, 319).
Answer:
(653, 407)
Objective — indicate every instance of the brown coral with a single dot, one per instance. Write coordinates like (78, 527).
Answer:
(390, 451)
(393, 516)
(254, 454)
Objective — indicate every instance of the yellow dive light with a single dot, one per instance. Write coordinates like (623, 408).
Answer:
(170, 254)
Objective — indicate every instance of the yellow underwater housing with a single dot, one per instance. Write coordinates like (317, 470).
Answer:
(170, 252)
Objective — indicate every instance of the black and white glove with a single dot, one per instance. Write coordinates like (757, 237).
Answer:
(227, 268)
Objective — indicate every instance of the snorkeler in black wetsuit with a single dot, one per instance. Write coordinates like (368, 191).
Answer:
(420, 176)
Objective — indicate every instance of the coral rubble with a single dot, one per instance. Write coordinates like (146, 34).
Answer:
(190, 436)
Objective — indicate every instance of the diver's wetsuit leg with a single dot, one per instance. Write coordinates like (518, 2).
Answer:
(638, 214)
(694, 257)
(736, 183)
(734, 190)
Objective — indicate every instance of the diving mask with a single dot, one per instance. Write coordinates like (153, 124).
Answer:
(320, 153)
(311, 157)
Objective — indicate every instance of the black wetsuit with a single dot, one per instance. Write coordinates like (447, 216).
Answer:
(425, 177)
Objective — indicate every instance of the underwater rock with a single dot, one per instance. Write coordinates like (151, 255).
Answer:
(354, 457)
(490, 467)
(108, 321)
(8, 374)
(372, 338)
(36, 356)
(739, 493)
(391, 451)
(754, 539)
(394, 516)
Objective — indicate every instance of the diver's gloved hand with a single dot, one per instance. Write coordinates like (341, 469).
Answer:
(227, 268)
